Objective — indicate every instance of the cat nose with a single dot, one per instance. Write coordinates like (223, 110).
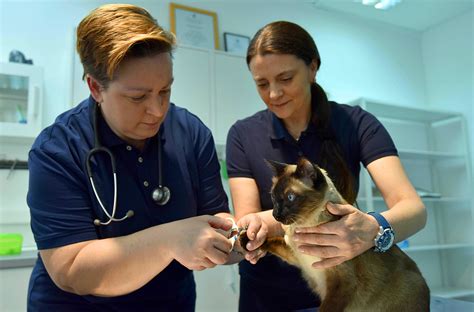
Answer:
(277, 214)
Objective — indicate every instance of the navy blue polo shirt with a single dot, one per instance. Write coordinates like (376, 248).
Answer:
(63, 205)
(361, 136)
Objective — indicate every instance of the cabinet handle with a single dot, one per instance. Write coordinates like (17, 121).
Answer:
(36, 99)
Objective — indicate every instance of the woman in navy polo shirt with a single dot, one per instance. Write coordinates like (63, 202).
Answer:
(299, 121)
(125, 241)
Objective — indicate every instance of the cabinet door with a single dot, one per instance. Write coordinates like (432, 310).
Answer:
(193, 82)
(20, 100)
(236, 94)
(14, 288)
(80, 90)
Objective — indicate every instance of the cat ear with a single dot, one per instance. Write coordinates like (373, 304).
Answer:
(304, 168)
(278, 168)
(306, 171)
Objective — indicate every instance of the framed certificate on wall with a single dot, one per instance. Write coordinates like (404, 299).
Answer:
(195, 27)
(237, 44)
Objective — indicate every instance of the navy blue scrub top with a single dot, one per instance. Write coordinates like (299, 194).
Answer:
(263, 136)
(63, 206)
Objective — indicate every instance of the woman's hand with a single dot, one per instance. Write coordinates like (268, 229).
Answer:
(338, 241)
(257, 231)
(198, 242)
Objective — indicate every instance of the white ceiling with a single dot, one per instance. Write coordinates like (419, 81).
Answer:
(413, 14)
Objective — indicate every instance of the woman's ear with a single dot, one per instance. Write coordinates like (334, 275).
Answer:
(313, 70)
(95, 88)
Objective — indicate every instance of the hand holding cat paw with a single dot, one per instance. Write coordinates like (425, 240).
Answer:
(253, 237)
(198, 242)
(337, 241)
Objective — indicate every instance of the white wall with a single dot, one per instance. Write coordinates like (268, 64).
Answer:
(358, 58)
(448, 57)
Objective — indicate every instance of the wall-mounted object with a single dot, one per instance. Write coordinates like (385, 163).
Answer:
(18, 57)
(235, 43)
(13, 164)
(193, 26)
(21, 98)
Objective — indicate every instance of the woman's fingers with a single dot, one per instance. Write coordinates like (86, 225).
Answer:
(316, 239)
(258, 240)
(220, 223)
(323, 252)
(254, 256)
(328, 263)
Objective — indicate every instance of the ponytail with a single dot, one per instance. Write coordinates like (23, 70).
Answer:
(331, 157)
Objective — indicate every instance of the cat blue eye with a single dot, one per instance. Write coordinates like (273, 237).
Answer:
(291, 197)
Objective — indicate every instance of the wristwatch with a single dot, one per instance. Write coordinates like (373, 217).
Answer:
(385, 236)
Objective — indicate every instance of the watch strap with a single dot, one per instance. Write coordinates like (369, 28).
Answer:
(380, 219)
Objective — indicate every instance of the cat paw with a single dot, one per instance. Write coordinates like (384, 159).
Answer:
(243, 240)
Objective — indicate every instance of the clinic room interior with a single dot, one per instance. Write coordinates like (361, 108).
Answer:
(410, 63)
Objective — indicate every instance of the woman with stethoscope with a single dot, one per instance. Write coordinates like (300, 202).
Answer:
(125, 187)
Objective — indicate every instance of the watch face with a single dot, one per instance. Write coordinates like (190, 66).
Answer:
(385, 241)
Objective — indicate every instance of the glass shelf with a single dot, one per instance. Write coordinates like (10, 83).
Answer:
(451, 292)
(388, 110)
(437, 247)
(414, 154)
(424, 199)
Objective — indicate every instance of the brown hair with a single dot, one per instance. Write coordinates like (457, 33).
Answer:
(113, 32)
(288, 38)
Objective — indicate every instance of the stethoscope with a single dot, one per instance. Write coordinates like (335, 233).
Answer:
(160, 195)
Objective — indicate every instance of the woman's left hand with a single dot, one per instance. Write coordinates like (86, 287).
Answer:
(257, 231)
(338, 241)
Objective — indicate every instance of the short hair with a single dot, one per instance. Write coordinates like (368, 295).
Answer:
(113, 32)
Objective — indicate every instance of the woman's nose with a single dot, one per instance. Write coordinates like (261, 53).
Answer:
(275, 92)
(156, 107)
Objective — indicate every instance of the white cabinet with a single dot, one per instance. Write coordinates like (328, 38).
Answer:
(14, 288)
(21, 98)
(193, 81)
(236, 94)
(434, 149)
(216, 86)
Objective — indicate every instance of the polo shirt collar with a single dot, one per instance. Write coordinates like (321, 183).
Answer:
(107, 137)
(278, 130)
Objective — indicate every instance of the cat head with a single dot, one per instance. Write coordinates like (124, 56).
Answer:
(297, 190)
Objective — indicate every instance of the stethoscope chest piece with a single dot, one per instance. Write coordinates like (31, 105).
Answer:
(161, 195)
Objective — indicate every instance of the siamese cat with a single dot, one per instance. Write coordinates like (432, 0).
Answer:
(370, 282)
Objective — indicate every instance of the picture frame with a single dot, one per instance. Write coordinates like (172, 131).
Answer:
(235, 43)
(194, 27)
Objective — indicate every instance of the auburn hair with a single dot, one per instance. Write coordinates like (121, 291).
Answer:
(284, 37)
(113, 32)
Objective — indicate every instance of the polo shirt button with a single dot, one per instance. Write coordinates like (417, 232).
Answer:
(129, 148)
(145, 183)
(140, 159)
